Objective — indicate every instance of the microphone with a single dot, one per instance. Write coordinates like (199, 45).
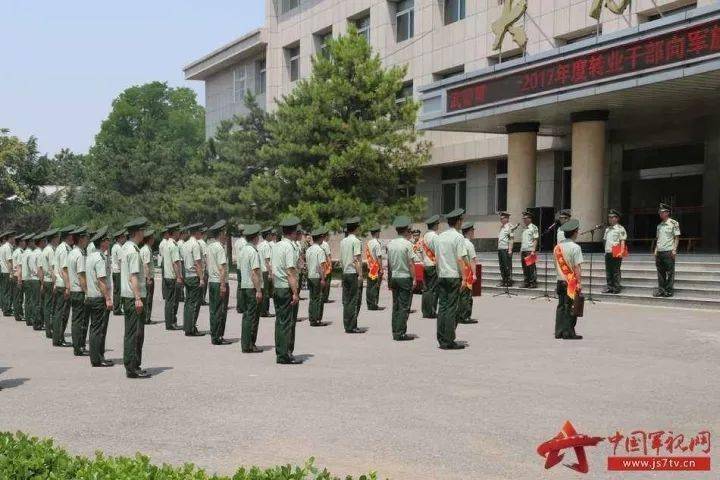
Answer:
(551, 228)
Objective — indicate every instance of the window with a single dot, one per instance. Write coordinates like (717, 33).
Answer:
(363, 26)
(454, 11)
(454, 188)
(239, 84)
(293, 60)
(504, 57)
(405, 20)
(321, 42)
(659, 13)
(405, 92)
(579, 35)
(261, 76)
(501, 185)
(445, 74)
(287, 5)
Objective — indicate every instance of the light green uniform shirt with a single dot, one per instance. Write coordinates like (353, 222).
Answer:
(237, 246)
(613, 236)
(400, 257)
(248, 260)
(48, 254)
(470, 249)
(375, 248)
(529, 235)
(560, 236)
(5, 256)
(216, 257)
(130, 264)
(25, 265)
(115, 256)
(666, 233)
(190, 254)
(90, 249)
(350, 247)
(96, 267)
(428, 238)
(33, 261)
(265, 251)
(161, 252)
(314, 256)
(169, 257)
(203, 250)
(147, 259)
(573, 256)
(61, 253)
(283, 257)
(75, 264)
(505, 236)
(449, 246)
(17, 260)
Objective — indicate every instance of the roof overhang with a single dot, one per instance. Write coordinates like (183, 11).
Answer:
(253, 44)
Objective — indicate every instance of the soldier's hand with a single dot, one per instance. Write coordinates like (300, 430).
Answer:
(108, 304)
(150, 281)
(66, 294)
(258, 296)
(674, 252)
(138, 306)
(223, 290)
(323, 282)
(295, 299)
(180, 281)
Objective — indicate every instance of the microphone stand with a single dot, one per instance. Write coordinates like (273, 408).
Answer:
(545, 294)
(592, 231)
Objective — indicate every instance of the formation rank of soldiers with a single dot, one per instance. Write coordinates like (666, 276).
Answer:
(71, 273)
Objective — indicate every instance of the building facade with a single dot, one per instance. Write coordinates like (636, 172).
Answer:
(616, 141)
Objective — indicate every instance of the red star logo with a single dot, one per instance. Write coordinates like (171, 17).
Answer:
(567, 438)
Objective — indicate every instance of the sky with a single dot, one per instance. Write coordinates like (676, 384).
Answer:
(63, 62)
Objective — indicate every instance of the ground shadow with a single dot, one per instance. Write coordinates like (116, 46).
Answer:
(322, 324)
(4, 369)
(157, 370)
(156, 322)
(13, 382)
(304, 357)
(266, 348)
(232, 340)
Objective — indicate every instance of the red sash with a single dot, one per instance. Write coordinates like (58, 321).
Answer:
(566, 271)
(619, 251)
(530, 259)
(468, 276)
(426, 250)
(373, 264)
(327, 267)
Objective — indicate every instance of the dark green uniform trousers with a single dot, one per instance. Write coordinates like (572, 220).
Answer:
(117, 300)
(134, 336)
(430, 293)
(465, 305)
(203, 293)
(32, 301)
(163, 287)
(5, 304)
(326, 290)
(48, 301)
(316, 306)
(18, 300)
(265, 305)
(351, 299)
(38, 321)
(251, 319)
(505, 260)
(284, 324)
(10, 296)
(218, 311)
(402, 298)
(79, 323)
(612, 272)
(564, 320)
(239, 301)
(192, 304)
(62, 313)
(99, 317)
(529, 271)
(149, 299)
(665, 264)
(171, 302)
(181, 289)
(448, 304)
(372, 294)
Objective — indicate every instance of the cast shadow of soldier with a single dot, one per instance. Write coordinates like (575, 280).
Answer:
(11, 382)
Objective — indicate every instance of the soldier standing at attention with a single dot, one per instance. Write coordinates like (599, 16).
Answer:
(563, 217)
(133, 292)
(48, 293)
(668, 238)
(161, 253)
(184, 235)
(316, 258)
(373, 255)
(528, 246)
(451, 255)
(194, 280)
(505, 248)
(430, 286)
(265, 250)
(115, 254)
(17, 262)
(350, 251)
(237, 246)
(251, 288)
(401, 277)
(74, 271)
(285, 292)
(146, 257)
(615, 237)
(468, 276)
(27, 295)
(217, 274)
(62, 294)
(568, 261)
(328, 267)
(6, 284)
(204, 253)
(98, 297)
(31, 282)
(38, 263)
(172, 277)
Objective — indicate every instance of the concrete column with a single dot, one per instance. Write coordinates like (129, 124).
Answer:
(588, 167)
(521, 168)
(711, 193)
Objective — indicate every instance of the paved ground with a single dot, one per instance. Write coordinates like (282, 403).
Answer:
(364, 402)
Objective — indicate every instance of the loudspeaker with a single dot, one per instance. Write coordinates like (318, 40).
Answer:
(544, 217)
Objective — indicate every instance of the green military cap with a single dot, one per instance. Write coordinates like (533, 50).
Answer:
(217, 226)
(101, 234)
(403, 221)
(119, 233)
(29, 236)
(467, 226)
(375, 228)
(664, 207)
(527, 213)
(80, 231)
(149, 233)
(565, 213)
(266, 231)
(40, 236)
(353, 221)
(194, 227)
(251, 230)
(570, 225)
(432, 220)
(291, 221)
(66, 230)
(319, 231)
(504, 214)
(136, 224)
(163, 230)
(458, 212)
(171, 227)
(613, 213)
(52, 232)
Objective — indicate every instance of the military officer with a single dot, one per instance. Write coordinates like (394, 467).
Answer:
(90, 246)
(115, 254)
(466, 298)
(430, 293)
(350, 251)
(251, 288)
(529, 246)
(98, 296)
(401, 277)
(17, 261)
(615, 237)
(74, 271)
(37, 263)
(666, 245)
(194, 280)
(146, 256)
(505, 248)
(133, 292)
(265, 250)
(31, 282)
(204, 253)
(161, 252)
(316, 258)
(328, 267)
(451, 256)
(374, 258)
(48, 293)
(184, 236)
(172, 277)
(286, 292)
(563, 217)
(62, 288)
(6, 269)
(568, 262)
(237, 246)
(217, 274)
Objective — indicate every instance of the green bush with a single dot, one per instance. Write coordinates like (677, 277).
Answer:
(28, 458)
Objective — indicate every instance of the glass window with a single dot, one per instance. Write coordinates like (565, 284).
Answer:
(261, 73)
(454, 188)
(287, 5)
(293, 58)
(405, 92)
(363, 26)
(405, 20)
(454, 11)
(322, 43)
(501, 185)
(567, 187)
(239, 84)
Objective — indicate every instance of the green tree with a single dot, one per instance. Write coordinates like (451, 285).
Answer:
(341, 143)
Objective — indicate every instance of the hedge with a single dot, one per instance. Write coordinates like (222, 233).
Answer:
(28, 458)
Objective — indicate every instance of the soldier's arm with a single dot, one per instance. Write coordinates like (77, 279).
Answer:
(135, 287)
(103, 287)
(82, 280)
(66, 279)
(257, 283)
(358, 265)
(293, 282)
(41, 277)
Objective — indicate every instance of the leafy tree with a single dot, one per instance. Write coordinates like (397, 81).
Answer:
(341, 143)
